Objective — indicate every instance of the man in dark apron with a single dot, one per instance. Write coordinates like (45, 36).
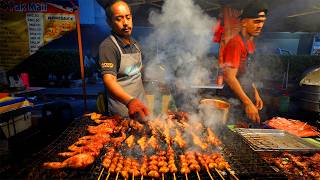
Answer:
(120, 63)
(238, 57)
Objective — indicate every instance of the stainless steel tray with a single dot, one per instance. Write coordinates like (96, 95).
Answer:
(274, 140)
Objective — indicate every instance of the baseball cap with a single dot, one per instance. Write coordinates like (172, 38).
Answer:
(253, 9)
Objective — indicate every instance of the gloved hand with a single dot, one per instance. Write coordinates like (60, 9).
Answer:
(135, 106)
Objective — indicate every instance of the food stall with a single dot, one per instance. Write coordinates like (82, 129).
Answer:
(177, 145)
(172, 146)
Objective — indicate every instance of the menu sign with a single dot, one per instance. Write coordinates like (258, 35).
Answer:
(28, 25)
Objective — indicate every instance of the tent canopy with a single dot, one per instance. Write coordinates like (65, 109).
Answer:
(285, 15)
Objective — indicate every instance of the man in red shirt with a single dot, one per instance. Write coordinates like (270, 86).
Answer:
(237, 57)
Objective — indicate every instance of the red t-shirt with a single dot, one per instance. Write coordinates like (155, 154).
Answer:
(235, 52)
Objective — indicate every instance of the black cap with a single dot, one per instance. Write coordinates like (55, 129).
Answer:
(253, 9)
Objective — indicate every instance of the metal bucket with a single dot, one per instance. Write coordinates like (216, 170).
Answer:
(215, 108)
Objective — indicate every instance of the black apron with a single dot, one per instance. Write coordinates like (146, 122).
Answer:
(129, 78)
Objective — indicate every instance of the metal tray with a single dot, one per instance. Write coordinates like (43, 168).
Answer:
(274, 140)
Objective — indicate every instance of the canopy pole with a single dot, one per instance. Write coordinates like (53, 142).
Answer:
(84, 92)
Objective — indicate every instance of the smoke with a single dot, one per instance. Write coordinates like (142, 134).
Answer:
(181, 41)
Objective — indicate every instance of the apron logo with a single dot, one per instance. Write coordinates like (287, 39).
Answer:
(107, 65)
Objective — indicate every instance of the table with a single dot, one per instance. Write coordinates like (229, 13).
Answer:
(27, 91)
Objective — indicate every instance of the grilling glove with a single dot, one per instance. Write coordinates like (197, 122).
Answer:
(137, 108)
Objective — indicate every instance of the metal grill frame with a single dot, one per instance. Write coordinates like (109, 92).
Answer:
(244, 161)
(236, 154)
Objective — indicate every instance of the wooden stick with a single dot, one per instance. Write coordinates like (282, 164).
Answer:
(108, 175)
(117, 176)
(132, 176)
(174, 176)
(209, 173)
(186, 176)
(233, 175)
(100, 174)
(141, 177)
(219, 173)
(162, 176)
(198, 175)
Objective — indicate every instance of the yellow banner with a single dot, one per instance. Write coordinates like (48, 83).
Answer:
(22, 33)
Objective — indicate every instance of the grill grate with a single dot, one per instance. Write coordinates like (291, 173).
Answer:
(245, 162)
(33, 169)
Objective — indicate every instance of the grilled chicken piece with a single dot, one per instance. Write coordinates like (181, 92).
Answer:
(130, 140)
(142, 142)
(104, 128)
(154, 174)
(197, 141)
(153, 142)
(78, 161)
(119, 140)
(212, 138)
(179, 140)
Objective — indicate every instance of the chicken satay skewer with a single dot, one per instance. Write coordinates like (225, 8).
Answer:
(232, 174)
(117, 175)
(204, 163)
(100, 174)
(209, 172)
(108, 175)
(219, 173)
(198, 175)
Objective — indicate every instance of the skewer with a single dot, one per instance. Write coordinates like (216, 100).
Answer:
(108, 175)
(219, 173)
(232, 174)
(132, 176)
(198, 175)
(209, 173)
(174, 176)
(186, 176)
(141, 177)
(117, 176)
(162, 176)
(100, 174)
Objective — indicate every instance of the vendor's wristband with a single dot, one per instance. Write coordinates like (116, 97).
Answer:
(130, 101)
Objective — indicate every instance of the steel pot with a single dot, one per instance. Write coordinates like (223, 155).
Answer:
(215, 108)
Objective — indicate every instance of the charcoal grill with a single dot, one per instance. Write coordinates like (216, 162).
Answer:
(32, 168)
(244, 162)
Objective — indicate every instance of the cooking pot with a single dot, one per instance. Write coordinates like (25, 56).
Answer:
(308, 94)
(215, 108)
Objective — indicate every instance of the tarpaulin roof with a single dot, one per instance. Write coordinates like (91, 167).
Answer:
(285, 15)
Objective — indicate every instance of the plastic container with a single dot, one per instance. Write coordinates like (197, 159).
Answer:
(16, 125)
(25, 80)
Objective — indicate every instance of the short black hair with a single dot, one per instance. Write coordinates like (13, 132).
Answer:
(108, 10)
(253, 9)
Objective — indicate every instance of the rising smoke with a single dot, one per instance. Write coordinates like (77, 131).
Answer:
(182, 39)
